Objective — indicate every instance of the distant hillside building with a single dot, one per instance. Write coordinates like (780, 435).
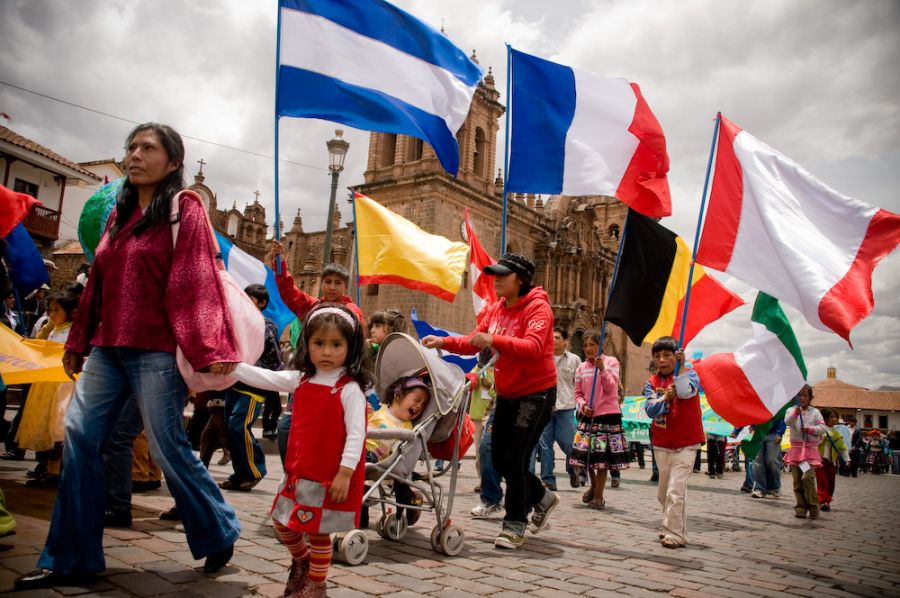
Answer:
(872, 408)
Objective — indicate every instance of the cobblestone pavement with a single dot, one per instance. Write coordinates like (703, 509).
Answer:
(738, 546)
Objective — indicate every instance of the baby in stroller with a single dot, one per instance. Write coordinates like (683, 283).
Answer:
(403, 402)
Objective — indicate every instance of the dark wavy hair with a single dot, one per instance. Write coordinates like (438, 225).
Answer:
(67, 300)
(391, 318)
(357, 360)
(158, 210)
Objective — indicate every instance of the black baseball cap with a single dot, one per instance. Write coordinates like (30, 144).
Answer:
(512, 262)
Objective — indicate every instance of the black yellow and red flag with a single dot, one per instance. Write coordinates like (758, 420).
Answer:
(647, 299)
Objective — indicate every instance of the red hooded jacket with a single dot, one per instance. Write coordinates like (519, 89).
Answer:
(523, 335)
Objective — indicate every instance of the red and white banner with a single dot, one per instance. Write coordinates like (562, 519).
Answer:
(776, 227)
(483, 292)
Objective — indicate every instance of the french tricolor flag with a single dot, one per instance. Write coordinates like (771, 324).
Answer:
(577, 133)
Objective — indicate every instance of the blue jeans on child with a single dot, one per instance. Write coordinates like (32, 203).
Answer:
(491, 492)
(111, 378)
(560, 430)
(242, 409)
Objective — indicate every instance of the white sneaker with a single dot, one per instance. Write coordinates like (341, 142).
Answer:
(758, 494)
(775, 493)
(483, 511)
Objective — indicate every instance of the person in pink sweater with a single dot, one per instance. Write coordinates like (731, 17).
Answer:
(599, 444)
(807, 427)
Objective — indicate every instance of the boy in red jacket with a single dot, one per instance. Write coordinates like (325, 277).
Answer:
(673, 402)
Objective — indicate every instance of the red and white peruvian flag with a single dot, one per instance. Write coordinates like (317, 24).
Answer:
(776, 227)
(483, 292)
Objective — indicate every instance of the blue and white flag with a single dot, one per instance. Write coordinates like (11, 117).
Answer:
(577, 133)
(248, 270)
(368, 64)
(423, 329)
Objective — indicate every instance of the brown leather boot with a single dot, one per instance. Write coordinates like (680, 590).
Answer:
(298, 578)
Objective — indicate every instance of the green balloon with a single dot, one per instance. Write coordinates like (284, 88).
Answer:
(93, 218)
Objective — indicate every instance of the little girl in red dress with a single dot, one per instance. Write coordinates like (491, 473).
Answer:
(322, 489)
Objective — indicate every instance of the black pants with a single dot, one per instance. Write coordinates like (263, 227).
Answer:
(637, 449)
(715, 456)
(518, 424)
(271, 411)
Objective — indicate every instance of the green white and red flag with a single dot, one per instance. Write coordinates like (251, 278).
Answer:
(752, 384)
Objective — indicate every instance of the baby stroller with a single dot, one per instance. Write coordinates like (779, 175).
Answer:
(402, 355)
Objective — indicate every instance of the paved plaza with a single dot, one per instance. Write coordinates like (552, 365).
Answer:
(739, 546)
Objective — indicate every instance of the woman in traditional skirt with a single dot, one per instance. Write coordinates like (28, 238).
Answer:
(600, 443)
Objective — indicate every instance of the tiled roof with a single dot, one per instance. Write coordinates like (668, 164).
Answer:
(840, 395)
(27, 144)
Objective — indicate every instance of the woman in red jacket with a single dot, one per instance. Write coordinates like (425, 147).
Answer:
(519, 326)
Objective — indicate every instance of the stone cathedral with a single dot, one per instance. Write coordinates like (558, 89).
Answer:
(573, 240)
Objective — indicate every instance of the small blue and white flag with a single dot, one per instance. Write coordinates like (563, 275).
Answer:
(423, 329)
(248, 270)
(368, 64)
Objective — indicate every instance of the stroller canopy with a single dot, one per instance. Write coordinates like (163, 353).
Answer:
(402, 355)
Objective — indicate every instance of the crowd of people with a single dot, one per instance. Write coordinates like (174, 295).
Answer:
(531, 395)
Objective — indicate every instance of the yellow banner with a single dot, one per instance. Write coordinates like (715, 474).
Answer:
(25, 360)
(393, 250)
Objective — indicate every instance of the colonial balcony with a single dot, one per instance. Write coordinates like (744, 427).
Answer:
(42, 222)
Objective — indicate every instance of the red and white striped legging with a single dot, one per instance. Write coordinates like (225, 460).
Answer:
(318, 550)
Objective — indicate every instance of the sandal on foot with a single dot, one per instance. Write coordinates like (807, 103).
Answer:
(588, 496)
(597, 505)
(671, 543)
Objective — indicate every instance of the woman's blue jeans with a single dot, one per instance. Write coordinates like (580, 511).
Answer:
(111, 377)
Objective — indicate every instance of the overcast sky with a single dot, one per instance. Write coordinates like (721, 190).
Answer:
(817, 80)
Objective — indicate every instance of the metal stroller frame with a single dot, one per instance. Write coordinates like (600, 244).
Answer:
(401, 355)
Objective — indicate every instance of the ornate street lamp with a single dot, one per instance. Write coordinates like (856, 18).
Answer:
(337, 151)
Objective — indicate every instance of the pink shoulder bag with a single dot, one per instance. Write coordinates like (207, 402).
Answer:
(247, 321)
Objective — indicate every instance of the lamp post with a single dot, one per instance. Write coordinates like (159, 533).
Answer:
(337, 151)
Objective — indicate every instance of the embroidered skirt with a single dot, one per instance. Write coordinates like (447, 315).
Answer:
(600, 443)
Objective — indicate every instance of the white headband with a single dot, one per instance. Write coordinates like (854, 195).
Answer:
(336, 311)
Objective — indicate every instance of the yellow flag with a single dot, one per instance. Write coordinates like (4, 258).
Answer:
(393, 250)
(25, 360)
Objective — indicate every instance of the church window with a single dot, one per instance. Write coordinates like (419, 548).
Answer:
(232, 228)
(614, 231)
(387, 150)
(414, 149)
(576, 344)
(371, 290)
(461, 140)
(478, 162)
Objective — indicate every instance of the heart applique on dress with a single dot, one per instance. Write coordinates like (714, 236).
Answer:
(305, 516)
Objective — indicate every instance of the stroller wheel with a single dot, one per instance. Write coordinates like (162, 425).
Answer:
(436, 538)
(452, 540)
(354, 547)
(392, 527)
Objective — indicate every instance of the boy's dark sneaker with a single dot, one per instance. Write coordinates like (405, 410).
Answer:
(826, 507)
(542, 512)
